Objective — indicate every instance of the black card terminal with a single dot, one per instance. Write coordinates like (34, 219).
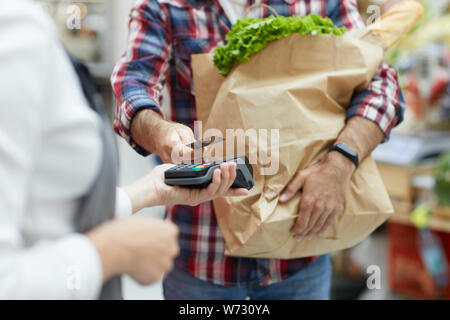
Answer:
(199, 176)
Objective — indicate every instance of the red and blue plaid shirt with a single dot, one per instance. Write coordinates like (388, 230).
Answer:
(163, 36)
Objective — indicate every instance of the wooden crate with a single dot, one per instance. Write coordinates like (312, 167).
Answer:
(398, 181)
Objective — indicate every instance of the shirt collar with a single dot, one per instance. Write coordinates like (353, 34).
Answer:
(184, 3)
(199, 3)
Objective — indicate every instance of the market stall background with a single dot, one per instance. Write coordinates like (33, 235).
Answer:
(415, 166)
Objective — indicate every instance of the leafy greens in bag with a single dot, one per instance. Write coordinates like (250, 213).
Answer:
(250, 35)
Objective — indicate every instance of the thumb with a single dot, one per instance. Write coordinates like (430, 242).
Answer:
(293, 187)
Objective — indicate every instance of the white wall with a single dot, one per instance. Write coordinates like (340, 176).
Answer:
(132, 165)
(120, 12)
(120, 17)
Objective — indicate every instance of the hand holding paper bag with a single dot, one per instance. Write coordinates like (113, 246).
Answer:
(300, 85)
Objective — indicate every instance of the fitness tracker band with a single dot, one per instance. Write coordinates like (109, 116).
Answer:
(347, 152)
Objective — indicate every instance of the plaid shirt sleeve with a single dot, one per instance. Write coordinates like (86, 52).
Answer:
(138, 77)
(382, 102)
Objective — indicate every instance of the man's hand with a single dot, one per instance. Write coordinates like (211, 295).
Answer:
(166, 139)
(141, 247)
(325, 184)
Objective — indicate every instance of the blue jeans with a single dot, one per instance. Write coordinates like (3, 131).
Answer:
(310, 283)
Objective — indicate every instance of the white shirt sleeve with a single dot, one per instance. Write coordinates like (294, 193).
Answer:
(68, 267)
(123, 204)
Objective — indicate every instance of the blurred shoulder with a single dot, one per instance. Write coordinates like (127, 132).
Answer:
(25, 13)
(25, 26)
(30, 52)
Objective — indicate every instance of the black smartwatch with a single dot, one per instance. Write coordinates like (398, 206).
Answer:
(346, 152)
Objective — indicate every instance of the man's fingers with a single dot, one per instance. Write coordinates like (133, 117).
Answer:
(293, 187)
(175, 149)
(320, 222)
(188, 155)
(327, 224)
(181, 154)
(317, 212)
(186, 134)
(303, 216)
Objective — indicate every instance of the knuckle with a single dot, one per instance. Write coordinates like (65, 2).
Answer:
(297, 229)
(175, 229)
(307, 229)
(301, 223)
(334, 213)
(294, 185)
(326, 225)
(175, 250)
(331, 219)
(319, 207)
(170, 265)
(328, 208)
(168, 149)
(301, 174)
(290, 190)
(307, 202)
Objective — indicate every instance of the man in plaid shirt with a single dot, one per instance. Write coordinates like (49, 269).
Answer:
(163, 36)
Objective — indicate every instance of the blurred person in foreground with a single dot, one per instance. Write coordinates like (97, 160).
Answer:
(58, 200)
(163, 36)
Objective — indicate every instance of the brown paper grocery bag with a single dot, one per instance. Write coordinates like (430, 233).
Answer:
(300, 85)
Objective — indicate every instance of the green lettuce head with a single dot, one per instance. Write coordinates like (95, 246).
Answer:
(250, 35)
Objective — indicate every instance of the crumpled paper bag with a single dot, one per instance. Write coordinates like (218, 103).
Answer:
(301, 85)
